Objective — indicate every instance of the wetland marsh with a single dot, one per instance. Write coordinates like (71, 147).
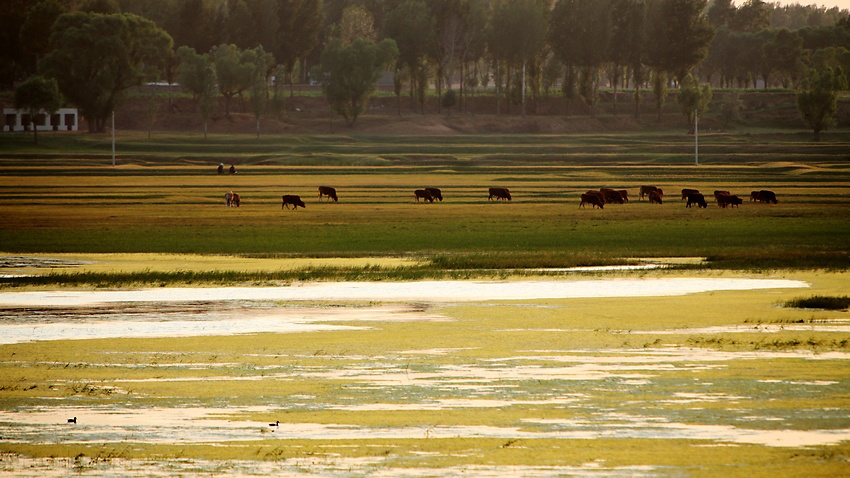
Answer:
(387, 338)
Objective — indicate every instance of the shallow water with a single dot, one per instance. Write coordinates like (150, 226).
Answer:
(622, 393)
(428, 291)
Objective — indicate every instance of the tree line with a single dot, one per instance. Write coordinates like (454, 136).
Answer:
(522, 49)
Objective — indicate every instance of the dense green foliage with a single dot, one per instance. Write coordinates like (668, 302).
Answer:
(98, 57)
(817, 99)
(35, 95)
(460, 45)
(350, 74)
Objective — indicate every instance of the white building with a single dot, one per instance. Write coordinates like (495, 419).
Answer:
(66, 119)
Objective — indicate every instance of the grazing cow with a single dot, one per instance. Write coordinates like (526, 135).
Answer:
(235, 200)
(500, 193)
(767, 196)
(719, 193)
(592, 199)
(687, 192)
(435, 193)
(698, 199)
(423, 194)
(754, 196)
(624, 193)
(598, 194)
(724, 200)
(329, 192)
(655, 197)
(612, 196)
(293, 200)
(645, 190)
(228, 198)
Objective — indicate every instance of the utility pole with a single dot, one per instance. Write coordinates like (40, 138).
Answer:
(113, 138)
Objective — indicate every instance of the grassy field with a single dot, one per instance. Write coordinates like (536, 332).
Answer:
(165, 197)
(706, 384)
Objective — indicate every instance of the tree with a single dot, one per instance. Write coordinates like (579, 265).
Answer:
(720, 13)
(35, 32)
(678, 36)
(207, 99)
(410, 25)
(518, 33)
(817, 98)
(449, 100)
(98, 57)
(356, 23)
(351, 73)
(234, 71)
(193, 25)
(106, 7)
(785, 52)
(693, 99)
(191, 69)
(752, 16)
(566, 35)
(299, 24)
(35, 95)
(15, 61)
(259, 87)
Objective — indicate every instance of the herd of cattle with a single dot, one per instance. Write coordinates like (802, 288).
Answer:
(656, 196)
(599, 198)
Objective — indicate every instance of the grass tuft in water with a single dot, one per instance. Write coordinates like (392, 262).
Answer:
(820, 302)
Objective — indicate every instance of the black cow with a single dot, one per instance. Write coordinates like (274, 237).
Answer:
(435, 193)
(612, 196)
(697, 199)
(423, 194)
(292, 200)
(500, 193)
(329, 192)
(724, 200)
(767, 196)
(655, 197)
(592, 199)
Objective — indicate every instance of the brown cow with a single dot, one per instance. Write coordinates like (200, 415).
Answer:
(719, 193)
(687, 192)
(231, 199)
(293, 200)
(724, 200)
(767, 196)
(598, 194)
(329, 192)
(499, 193)
(612, 196)
(423, 194)
(592, 199)
(655, 197)
(645, 190)
(435, 193)
(697, 199)
(624, 193)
